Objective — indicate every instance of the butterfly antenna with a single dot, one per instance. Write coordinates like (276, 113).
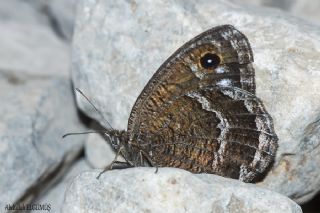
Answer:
(95, 108)
(82, 133)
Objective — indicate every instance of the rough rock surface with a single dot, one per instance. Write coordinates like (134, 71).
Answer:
(306, 9)
(60, 14)
(169, 190)
(55, 196)
(112, 62)
(28, 43)
(37, 104)
(63, 14)
(32, 122)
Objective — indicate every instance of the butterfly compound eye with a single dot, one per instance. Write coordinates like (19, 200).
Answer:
(209, 61)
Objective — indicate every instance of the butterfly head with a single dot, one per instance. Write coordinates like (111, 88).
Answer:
(119, 140)
(116, 138)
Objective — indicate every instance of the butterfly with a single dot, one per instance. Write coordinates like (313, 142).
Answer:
(199, 112)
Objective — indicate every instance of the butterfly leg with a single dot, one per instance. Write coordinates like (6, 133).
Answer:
(151, 162)
(116, 164)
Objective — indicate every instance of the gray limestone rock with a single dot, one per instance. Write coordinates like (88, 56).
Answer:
(37, 104)
(170, 190)
(306, 9)
(35, 113)
(112, 62)
(55, 196)
(64, 13)
(60, 15)
(28, 42)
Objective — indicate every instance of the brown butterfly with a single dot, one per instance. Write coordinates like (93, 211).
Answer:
(199, 112)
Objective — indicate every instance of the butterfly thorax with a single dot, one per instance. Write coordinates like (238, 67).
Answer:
(130, 150)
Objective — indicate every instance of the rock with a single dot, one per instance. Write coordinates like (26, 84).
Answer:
(23, 12)
(36, 113)
(60, 15)
(306, 9)
(98, 152)
(37, 103)
(28, 43)
(64, 13)
(282, 4)
(112, 65)
(169, 190)
(55, 196)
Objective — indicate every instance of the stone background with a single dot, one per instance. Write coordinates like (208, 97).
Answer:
(38, 103)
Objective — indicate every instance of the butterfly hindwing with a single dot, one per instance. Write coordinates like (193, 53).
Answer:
(199, 111)
(212, 130)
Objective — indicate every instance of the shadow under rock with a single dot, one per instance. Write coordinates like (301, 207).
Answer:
(313, 206)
